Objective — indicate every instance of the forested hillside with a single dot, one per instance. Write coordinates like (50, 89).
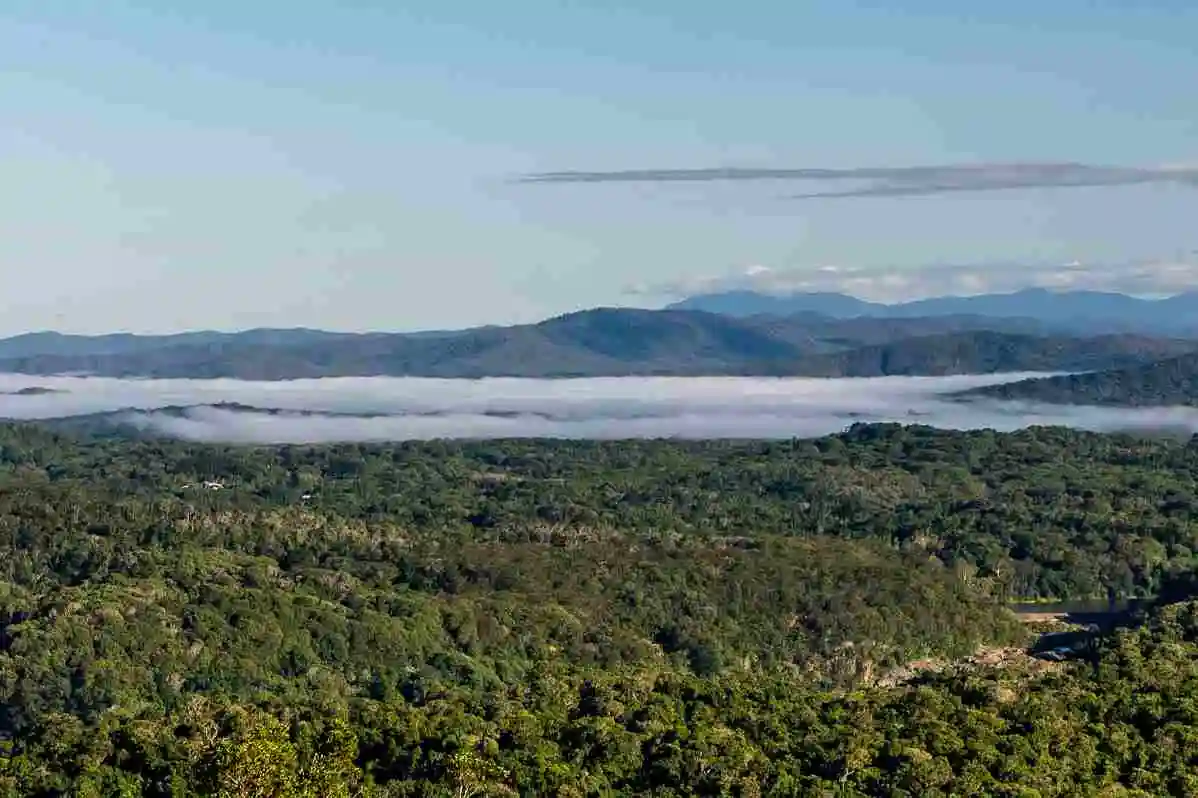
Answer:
(602, 342)
(1173, 381)
(585, 618)
(986, 352)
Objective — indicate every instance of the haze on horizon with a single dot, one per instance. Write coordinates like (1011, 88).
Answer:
(179, 166)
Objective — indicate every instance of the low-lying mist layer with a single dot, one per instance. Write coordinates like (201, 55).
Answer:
(375, 409)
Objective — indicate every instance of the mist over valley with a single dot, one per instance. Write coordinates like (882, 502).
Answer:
(393, 409)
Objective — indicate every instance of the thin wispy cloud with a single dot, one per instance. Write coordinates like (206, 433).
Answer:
(313, 411)
(1150, 277)
(902, 181)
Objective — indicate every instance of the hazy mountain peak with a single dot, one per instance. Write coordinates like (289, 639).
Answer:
(1080, 311)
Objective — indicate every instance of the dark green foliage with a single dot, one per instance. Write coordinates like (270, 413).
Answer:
(1123, 726)
(1041, 513)
(1167, 382)
(410, 567)
(582, 618)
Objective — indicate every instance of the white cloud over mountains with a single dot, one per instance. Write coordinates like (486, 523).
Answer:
(412, 409)
(1149, 278)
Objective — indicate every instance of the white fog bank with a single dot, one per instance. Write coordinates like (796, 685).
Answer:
(380, 408)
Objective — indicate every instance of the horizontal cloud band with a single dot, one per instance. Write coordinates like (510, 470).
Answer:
(389, 409)
(903, 181)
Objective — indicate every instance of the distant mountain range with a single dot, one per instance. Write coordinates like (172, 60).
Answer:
(1076, 312)
(604, 342)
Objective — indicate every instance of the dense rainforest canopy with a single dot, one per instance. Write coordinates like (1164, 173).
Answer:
(589, 618)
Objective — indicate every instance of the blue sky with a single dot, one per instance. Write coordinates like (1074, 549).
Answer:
(174, 165)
